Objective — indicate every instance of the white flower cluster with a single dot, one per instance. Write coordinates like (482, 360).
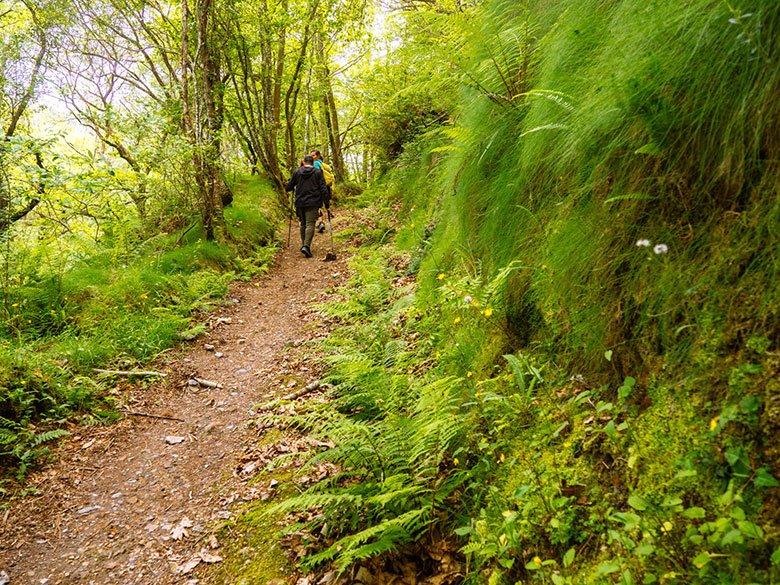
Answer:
(657, 249)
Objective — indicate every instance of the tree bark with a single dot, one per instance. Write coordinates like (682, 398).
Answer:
(331, 116)
(206, 120)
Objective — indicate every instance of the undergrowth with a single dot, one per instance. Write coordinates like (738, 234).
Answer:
(580, 385)
(542, 476)
(108, 306)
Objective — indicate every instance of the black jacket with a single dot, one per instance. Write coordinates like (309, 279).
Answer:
(309, 186)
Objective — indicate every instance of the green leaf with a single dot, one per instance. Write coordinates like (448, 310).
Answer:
(463, 530)
(637, 502)
(557, 579)
(649, 148)
(694, 513)
(607, 568)
(644, 550)
(610, 431)
(776, 557)
(750, 530)
(737, 513)
(732, 536)
(750, 404)
(608, 355)
(701, 559)
(733, 454)
(671, 502)
(628, 386)
(765, 479)
(532, 566)
(629, 197)
(568, 557)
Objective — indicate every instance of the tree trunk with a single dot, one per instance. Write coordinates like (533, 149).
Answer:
(207, 123)
(186, 120)
(331, 116)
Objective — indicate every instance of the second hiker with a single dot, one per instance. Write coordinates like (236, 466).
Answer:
(310, 194)
(327, 172)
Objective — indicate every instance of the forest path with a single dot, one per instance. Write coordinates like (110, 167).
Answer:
(122, 505)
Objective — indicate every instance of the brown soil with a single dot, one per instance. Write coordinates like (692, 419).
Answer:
(121, 504)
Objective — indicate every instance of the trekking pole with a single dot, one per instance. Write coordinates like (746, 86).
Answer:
(289, 224)
(330, 256)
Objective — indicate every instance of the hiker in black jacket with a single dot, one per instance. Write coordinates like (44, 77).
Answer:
(310, 193)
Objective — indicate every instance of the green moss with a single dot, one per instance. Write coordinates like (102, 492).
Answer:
(253, 553)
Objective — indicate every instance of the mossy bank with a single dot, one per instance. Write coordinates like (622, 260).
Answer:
(566, 361)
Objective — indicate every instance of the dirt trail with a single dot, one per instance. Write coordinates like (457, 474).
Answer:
(111, 509)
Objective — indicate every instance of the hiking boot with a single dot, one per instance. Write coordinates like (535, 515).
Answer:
(321, 227)
(306, 251)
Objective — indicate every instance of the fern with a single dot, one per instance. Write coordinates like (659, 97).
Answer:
(394, 432)
(48, 436)
(377, 539)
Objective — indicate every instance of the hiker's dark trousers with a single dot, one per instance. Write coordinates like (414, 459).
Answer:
(308, 218)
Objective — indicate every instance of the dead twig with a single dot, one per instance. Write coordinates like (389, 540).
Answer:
(149, 415)
(294, 396)
(139, 373)
(207, 383)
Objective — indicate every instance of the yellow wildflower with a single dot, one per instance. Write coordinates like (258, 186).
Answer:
(488, 312)
(455, 461)
(501, 457)
(441, 276)
(469, 374)
(537, 560)
(457, 320)
(714, 423)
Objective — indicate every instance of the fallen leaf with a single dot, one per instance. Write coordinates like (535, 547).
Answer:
(174, 439)
(180, 530)
(187, 567)
(207, 557)
(249, 467)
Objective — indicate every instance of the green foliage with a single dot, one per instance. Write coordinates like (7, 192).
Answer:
(545, 478)
(109, 306)
(594, 240)
(391, 432)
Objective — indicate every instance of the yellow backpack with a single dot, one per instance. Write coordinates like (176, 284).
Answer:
(327, 171)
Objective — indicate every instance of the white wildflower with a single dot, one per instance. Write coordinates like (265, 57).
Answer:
(661, 249)
(468, 299)
(643, 243)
